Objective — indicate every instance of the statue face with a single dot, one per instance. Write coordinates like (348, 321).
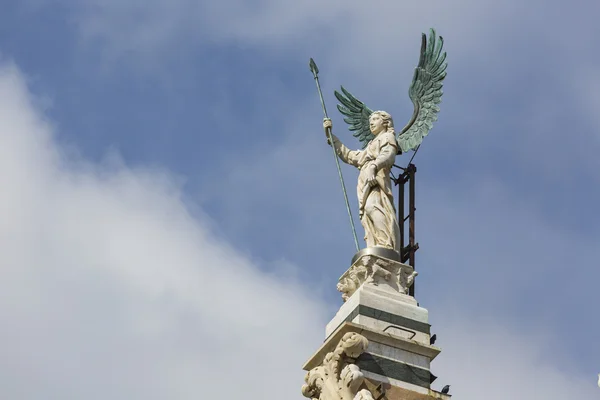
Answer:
(376, 124)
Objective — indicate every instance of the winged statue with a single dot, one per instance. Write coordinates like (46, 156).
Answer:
(381, 143)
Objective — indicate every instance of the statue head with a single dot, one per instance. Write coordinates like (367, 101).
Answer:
(381, 121)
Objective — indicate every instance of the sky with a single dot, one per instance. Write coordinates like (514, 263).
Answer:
(173, 225)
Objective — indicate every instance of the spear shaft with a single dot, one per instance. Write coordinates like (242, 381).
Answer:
(315, 71)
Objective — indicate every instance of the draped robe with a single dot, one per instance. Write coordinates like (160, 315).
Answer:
(375, 202)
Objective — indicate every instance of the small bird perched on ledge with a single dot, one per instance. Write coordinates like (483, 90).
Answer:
(433, 339)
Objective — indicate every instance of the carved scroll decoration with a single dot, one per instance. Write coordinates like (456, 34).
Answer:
(338, 377)
(378, 271)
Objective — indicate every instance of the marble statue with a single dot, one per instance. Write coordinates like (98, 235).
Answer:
(374, 190)
(381, 144)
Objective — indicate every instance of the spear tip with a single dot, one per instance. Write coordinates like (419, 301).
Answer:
(313, 66)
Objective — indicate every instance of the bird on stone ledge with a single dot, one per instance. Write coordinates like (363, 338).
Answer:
(446, 389)
(432, 339)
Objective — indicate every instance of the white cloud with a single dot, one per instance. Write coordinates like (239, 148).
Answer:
(349, 35)
(270, 21)
(484, 358)
(110, 288)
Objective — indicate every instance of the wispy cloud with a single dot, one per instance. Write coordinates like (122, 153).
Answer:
(483, 358)
(110, 287)
(507, 184)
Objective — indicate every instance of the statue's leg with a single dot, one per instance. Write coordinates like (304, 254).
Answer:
(368, 226)
(382, 229)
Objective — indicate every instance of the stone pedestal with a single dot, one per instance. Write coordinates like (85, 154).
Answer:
(394, 362)
(380, 267)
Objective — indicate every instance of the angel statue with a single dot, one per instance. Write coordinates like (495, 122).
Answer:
(381, 143)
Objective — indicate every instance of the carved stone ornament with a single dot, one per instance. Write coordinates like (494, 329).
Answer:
(338, 378)
(377, 271)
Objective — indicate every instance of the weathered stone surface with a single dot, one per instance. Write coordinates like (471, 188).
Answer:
(399, 393)
(377, 270)
(338, 377)
(383, 308)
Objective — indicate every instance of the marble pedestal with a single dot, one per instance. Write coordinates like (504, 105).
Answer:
(395, 361)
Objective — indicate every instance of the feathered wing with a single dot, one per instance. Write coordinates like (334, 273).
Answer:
(356, 115)
(425, 92)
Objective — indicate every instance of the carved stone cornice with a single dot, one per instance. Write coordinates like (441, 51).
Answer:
(338, 377)
(378, 270)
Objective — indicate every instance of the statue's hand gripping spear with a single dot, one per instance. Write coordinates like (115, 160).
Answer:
(315, 71)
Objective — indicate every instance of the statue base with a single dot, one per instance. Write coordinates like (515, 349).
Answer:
(378, 266)
(380, 307)
(395, 361)
(387, 366)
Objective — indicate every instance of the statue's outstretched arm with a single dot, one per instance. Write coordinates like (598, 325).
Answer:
(348, 156)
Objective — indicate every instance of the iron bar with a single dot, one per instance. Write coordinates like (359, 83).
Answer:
(411, 224)
(401, 211)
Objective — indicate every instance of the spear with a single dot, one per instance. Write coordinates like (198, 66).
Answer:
(315, 71)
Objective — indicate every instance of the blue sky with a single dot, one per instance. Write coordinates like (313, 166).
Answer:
(164, 162)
